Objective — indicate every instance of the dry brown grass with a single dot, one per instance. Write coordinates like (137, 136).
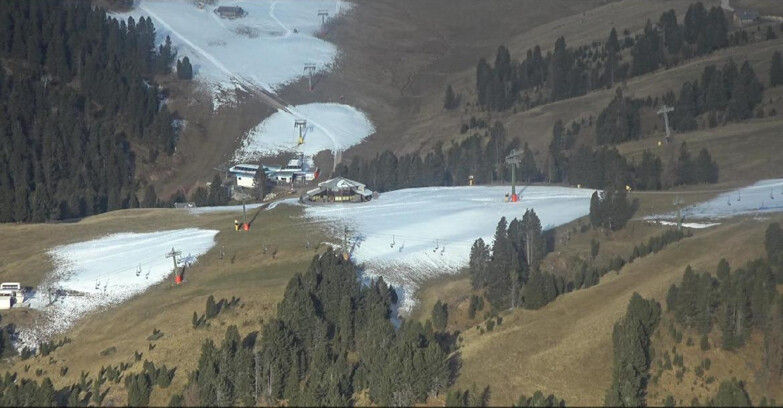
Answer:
(397, 72)
(742, 364)
(565, 348)
(209, 139)
(765, 7)
(257, 279)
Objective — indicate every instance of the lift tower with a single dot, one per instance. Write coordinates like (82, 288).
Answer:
(302, 125)
(665, 112)
(514, 159)
(309, 68)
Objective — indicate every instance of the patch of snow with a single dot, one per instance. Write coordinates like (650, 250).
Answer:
(267, 48)
(434, 228)
(330, 126)
(223, 208)
(93, 275)
(694, 225)
(763, 197)
(238, 208)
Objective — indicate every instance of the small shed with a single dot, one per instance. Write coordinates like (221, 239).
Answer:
(6, 299)
(188, 204)
(745, 17)
(230, 11)
(338, 189)
(15, 289)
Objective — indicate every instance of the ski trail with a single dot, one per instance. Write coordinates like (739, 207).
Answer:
(280, 23)
(242, 81)
(195, 47)
(318, 125)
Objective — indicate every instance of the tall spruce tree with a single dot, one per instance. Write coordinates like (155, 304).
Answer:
(776, 70)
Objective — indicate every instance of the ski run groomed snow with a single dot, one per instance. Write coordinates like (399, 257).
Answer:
(434, 228)
(330, 126)
(765, 196)
(93, 275)
(267, 48)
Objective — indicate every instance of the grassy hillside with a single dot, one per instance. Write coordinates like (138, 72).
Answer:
(565, 348)
(410, 75)
(257, 279)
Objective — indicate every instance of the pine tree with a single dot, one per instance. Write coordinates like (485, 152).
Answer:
(631, 340)
(260, 187)
(150, 198)
(776, 70)
(731, 394)
(479, 264)
(440, 315)
(612, 47)
(450, 100)
(217, 193)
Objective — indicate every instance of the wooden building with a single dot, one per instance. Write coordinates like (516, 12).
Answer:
(744, 18)
(230, 11)
(339, 190)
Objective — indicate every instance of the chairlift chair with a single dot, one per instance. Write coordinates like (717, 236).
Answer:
(392, 243)
(97, 284)
(437, 244)
(138, 270)
(402, 246)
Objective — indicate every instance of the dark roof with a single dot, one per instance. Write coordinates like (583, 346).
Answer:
(230, 10)
(747, 14)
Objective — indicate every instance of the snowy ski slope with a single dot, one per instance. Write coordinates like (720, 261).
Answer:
(260, 49)
(434, 228)
(330, 126)
(96, 274)
(764, 196)
(266, 49)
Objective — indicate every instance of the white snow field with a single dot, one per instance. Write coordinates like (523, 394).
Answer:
(92, 275)
(266, 48)
(765, 196)
(434, 228)
(694, 225)
(330, 126)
